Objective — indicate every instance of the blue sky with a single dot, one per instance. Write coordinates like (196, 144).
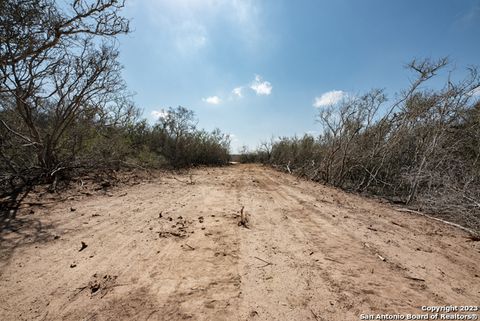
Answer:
(260, 69)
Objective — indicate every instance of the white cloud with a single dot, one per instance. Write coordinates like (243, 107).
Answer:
(329, 98)
(157, 114)
(261, 87)
(476, 92)
(214, 100)
(238, 92)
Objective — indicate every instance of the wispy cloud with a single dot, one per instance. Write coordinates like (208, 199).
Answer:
(213, 100)
(190, 37)
(157, 114)
(329, 98)
(469, 17)
(261, 87)
(238, 92)
(188, 25)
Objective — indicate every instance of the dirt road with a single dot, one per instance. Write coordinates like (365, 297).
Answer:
(170, 250)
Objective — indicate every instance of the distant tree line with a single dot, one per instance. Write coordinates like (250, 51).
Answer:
(176, 141)
(64, 107)
(422, 149)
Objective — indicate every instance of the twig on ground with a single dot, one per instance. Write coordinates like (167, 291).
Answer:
(414, 279)
(191, 247)
(188, 183)
(243, 218)
(84, 246)
(314, 315)
(333, 260)
(472, 233)
(381, 257)
(376, 253)
(397, 224)
(266, 262)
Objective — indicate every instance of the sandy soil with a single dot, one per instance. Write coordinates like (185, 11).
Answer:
(170, 250)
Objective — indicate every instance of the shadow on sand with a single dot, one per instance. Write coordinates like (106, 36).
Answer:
(19, 227)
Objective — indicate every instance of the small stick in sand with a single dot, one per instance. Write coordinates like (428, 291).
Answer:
(243, 218)
(414, 279)
(191, 247)
(267, 263)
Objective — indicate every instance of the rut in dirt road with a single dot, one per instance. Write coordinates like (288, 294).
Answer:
(171, 249)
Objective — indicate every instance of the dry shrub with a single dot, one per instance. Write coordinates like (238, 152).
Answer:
(422, 150)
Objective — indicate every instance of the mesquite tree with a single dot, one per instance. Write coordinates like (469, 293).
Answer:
(58, 66)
